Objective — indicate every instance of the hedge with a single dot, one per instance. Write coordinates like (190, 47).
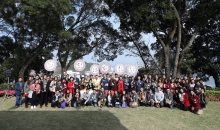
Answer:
(213, 93)
(4, 86)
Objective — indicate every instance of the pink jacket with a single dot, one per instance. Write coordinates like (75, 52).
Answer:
(32, 87)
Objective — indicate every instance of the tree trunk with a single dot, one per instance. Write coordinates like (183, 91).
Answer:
(64, 69)
(167, 61)
(216, 78)
(178, 74)
(178, 38)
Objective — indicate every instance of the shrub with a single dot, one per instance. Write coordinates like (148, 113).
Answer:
(213, 95)
(4, 86)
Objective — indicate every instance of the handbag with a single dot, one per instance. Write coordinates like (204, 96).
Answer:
(63, 105)
(124, 105)
(30, 94)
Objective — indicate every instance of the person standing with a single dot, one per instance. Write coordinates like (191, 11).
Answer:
(19, 86)
(105, 83)
(27, 89)
(36, 90)
(112, 85)
(126, 83)
(120, 85)
(71, 86)
(139, 84)
(76, 81)
(45, 84)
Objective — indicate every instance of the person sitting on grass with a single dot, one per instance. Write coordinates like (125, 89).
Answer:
(133, 99)
(124, 99)
(142, 97)
(68, 98)
(109, 99)
(76, 98)
(101, 98)
(94, 98)
(159, 98)
(56, 102)
(86, 98)
(194, 102)
(117, 100)
(169, 98)
(150, 98)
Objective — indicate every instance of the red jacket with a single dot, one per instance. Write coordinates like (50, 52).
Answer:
(195, 102)
(120, 85)
(32, 88)
(166, 86)
(186, 100)
(70, 86)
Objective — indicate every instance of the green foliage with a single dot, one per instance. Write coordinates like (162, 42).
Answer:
(213, 93)
(5, 86)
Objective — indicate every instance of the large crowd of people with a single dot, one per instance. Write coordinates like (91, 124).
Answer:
(106, 90)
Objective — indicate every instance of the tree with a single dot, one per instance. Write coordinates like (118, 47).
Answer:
(205, 50)
(33, 24)
(175, 24)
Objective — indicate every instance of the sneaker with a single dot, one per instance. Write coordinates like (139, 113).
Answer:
(32, 107)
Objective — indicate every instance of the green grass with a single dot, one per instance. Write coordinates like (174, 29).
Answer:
(90, 118)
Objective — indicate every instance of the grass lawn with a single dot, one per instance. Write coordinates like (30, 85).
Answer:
(90, 118)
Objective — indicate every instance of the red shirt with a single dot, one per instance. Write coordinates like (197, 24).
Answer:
(70, 86)
(186, 100)
(120, 85)
(195, 102)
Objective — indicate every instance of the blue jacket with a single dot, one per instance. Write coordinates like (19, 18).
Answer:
(139, 85)
(18, 88)
(76, 80)
(126, 85)
(104, 83)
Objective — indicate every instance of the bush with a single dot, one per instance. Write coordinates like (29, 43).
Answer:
(212, 95)
(4, 86)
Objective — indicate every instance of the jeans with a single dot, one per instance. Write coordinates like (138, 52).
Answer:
(18, 100)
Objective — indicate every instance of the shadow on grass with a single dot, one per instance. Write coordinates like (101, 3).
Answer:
(58, 120)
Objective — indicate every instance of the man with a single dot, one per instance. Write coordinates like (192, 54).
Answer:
(104, 83)
(19, 86)
(76, 81)
(45, 84)
(159, 97)
(59, 87)
(132, 84)
(86, 98)
(169, 98)
(94, 98)
(116, 77)
(63, 76)
(139, 84)
(150, 98)
(133, 99)
(112, 85)
(96, 83)
(126, 83)
(56, 102)
(101, 98)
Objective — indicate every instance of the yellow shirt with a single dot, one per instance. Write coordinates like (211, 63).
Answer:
(96, 83)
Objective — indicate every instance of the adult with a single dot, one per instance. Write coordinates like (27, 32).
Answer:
(52, 88)
(150, 98)
(71, 85)
(133, 99)
(142, 97)
(35, 88)
(86, 98)
(26, 90)
(102, 98)
(169, 98)
(76, 98)
(139, 84)
(105, 83)
(159, 98)
(94, 98)
(64, 75)
(126, 83)
(68, 97)
(120, 85)
(112, 85)
(19, 86)
(117, 100)
(96, 83)
(45, 84)
(56, 102)
(194, 102)
(76, 81)
(132, 84)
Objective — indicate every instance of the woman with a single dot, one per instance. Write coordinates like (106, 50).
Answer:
(76, 98)
(90, 85)
(26, 90)
(35, 88)
(64, 84)
(194, 102)
(82, 84)
(68, 98)
(124, 100)
(109, 99)
(192, 85)
(166, 85)
(86, 81)
(116, 100)
(70, 85)
(120, 85)
(181, 98)
(52, 88)
(159, 84)
(142, 97)
(186, 100)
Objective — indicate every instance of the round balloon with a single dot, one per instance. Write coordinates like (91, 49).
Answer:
(94, 69)
(119, 69)
(105, 68)
(50, 65)
(79, 65)
(132, 70)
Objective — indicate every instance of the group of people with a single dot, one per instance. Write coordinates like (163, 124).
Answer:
(112, 91)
